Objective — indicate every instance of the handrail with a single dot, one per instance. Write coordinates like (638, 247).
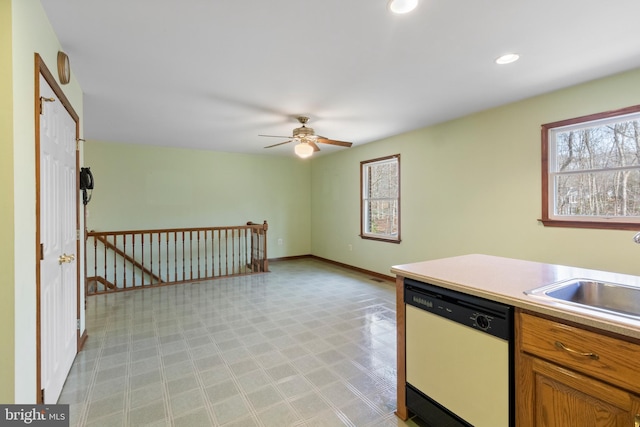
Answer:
(133, 259)
(250, 224)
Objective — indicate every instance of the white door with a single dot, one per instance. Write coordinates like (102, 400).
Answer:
(58, 279)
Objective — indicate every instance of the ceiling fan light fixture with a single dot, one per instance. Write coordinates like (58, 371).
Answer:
(507, 59)
(305, 140)
(402, 6)
(303, 150)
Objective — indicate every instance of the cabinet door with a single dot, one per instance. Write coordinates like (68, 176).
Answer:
(563, 398)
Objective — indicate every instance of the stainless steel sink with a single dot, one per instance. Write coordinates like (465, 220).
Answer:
(612, 298)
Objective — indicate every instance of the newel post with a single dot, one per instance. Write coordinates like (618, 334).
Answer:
(265, 227)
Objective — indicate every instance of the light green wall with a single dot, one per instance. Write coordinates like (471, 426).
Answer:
(143, 187)
(471, 185)
(7, 258)
(31, 33)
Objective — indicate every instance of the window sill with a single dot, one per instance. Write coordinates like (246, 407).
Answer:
(380, 239)
(634, 226)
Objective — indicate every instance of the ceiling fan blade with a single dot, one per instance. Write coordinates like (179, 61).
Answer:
(334, 142)
(276, 136)
(275, 145)
(314, 145)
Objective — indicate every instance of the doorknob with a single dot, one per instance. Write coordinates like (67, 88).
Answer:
(66, 258)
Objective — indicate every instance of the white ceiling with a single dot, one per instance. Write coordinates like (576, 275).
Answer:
(213, 74)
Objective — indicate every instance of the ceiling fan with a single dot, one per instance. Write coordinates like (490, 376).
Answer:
(306, 139)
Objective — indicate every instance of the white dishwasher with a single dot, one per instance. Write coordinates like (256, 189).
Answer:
(459, 358)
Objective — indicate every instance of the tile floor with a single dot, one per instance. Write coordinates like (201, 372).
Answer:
(309, 344)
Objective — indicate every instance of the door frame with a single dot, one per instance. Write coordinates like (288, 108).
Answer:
(41, 69)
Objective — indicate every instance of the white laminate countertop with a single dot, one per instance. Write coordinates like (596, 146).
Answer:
(505, 280)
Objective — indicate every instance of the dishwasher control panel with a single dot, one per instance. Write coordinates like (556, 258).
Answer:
(478, 313)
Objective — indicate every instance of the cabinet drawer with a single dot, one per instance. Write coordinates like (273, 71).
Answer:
(608, 359)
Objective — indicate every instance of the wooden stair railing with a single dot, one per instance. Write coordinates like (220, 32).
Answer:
(127, 257)
(123, 260)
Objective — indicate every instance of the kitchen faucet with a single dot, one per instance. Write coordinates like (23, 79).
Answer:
(636, 238)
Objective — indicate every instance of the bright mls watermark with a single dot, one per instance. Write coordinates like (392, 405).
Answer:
(34, 415)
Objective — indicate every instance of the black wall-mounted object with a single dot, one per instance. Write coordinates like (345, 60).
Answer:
(86, 179)
(86, 183)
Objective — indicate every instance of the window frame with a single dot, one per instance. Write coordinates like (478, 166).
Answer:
(548, 217)
(371, 236)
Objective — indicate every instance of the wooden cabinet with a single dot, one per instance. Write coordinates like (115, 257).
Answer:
(567, 376)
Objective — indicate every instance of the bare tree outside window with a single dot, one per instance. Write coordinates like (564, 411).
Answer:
(380, 201)
(591, 171)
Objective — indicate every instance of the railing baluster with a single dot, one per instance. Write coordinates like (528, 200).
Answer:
(244, 253)
(115, 259)
(133, 266)
(233, 251)
(159, 258)
(198, 263)
(132, 281)
(206, 257)
(104, 269)
(240, 237)
(124, 261)
(167, 238)
(151, 258)
(243, 247)
(226, 251)
(95, 262)
(190, 255)
(254, 258)
(175, 256)
(183, 271)
(142, 250)
(105, 263)
(219, 253)
(213, 253)
(248, 249)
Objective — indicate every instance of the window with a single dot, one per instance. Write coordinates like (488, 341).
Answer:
(591, 171)
(380, 199)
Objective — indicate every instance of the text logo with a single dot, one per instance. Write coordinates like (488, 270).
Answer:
(422, 301)
(34, 415)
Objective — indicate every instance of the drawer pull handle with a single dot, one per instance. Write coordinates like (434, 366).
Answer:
(561, 346)
(637, 418)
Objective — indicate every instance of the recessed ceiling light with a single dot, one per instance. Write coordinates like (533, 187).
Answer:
(402, 6)
(508, 58)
